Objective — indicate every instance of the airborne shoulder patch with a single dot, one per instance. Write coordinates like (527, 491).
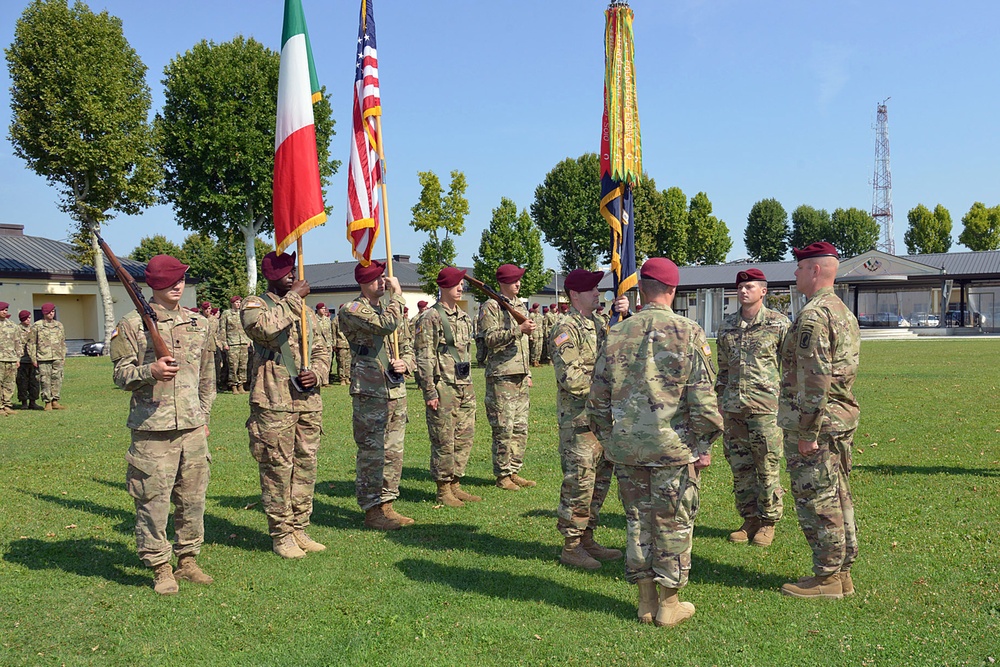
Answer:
(805, 338)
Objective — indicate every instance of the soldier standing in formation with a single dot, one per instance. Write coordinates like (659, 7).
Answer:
(286, 409)
(443, 343)
(171, 401)
(379, 402)
(10, 358)
(324, 329)
(343, 351)
(818, 411)
(574, 342)
(27, 371)
(50, 351)
(747, 386)
(237, 347)
(508, 379)
(653, 407)
(537, 339)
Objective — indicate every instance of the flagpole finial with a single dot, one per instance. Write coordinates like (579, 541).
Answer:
(618, 3)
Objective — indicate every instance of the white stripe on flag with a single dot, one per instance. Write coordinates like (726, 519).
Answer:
(294, 90)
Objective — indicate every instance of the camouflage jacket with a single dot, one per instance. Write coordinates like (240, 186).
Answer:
(367, 329)
(231, 331)
(652, 402)
(50, 340)
(435, 358)
(574, 343)
(186, 401)
(213, 332)
(27, 346)
(749, 379)
(539, 334)
(819, 361)
(340, 340)
(324, 329)
(270, 327)
(507, 348)
(10, 341)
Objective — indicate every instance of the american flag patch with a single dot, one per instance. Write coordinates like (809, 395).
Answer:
(707, 350)
(354, 306)
(560, 339)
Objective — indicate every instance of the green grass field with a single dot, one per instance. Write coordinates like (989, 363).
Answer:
(482, 584)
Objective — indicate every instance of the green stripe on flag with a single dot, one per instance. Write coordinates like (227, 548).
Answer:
(295, 24)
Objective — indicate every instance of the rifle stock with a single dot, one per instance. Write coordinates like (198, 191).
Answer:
(490, 292)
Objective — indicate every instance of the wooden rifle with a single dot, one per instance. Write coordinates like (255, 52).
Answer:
(490, 292)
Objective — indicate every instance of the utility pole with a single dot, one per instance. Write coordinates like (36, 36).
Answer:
(882, 182)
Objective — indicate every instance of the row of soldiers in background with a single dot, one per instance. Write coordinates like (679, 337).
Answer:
(32, 358)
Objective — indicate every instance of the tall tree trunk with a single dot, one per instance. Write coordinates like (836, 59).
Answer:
(249, 239)
(102, 284)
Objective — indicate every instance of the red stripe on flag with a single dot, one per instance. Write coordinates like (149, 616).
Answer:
(298, 194)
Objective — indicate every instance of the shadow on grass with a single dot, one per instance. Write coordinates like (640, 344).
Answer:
(883, 469)
(704, 571)
(507, 586)
(712, 532)
(86, 557)
(609, 520)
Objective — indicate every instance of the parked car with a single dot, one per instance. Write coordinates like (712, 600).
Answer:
(93, 349)
(882, 320)
(924, 320)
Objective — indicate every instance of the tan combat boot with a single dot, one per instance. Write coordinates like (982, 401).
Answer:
(57, 406)
(188, 570)
(391, 512)
(286, 547)
(506, 484)
(596, 550)
(671, 610)
(456, 490)
(764, 535)
(746, 532)
(520, 481)
(376, 519)
(574, 555)
(9, 412)
(648, 602)
(163, 580)
(307, 543)
(825, 586)
(847, 583)
(48, 406)
(446, 497)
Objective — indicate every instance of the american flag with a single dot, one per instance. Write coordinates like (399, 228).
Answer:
(365, 170)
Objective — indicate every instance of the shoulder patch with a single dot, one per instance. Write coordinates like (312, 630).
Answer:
(707, 349)
(252, 302)
(560, 339)
(805, 337)
(114, 332)
(353, 307)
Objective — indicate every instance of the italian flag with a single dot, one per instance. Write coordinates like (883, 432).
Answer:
(298, 195)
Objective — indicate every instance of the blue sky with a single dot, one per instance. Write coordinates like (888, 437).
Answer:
(742, 100)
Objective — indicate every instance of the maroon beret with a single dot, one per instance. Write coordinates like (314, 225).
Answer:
(4, 305)
(450, 276)
(234, 299)
(638, 307)
(23, 315)
(819, 249)
(206, 304)
(48, 308)
(509, 274)
(545, 309)
(406, 309)
(366, 274)
(421, 304)
(564, 307)
(320, 305)
(749, 274)
(275, 266)
(581, 280)
(215, 311)
(534, 306)
(661, 270)
(164, 271)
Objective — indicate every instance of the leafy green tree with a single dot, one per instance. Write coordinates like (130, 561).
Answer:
(511, 238)
(853, 231)
(566, 210)
(707, 236)
(766, 233)
(809, 225)
(217, 139)
(672, 234)
(981, 228)
(648, 213)
(433, 213)
(928, 232)
(220, 266)
(151, 246)
(80, 105)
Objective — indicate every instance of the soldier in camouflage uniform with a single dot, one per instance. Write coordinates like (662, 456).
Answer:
(10, 355)
(286, 409)
(653, 407)
(818, 411)
(442, 344)
(27, 371)
(586, 473)
(171, 400)
(537, 339)
(237, 345)
(508, 378)
(747, 387)
(343, 351)
(324, 328)
(50, 352)
(548, 321)
(379, 403)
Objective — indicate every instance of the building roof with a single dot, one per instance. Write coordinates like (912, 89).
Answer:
(23, 256)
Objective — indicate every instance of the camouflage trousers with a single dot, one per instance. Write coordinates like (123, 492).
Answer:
(165, 467)
(8, 382)
(660, 508)
(238, 356)
(451, 428)
(27, 382)
(823, 499)
(753, 446)
(379, 429)
(284, 444)
(535, 350)
(344, 364)
(543, 350)
(586, 480)
(507, 411)
(50, 377)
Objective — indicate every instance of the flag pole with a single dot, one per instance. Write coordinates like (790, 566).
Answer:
(301, 273)
(385, 218)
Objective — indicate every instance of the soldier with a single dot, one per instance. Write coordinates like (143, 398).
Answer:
(324, 329)
(653, 407)
(10, 356)
(343, 352)
(818, 411)
(286, 409)
(237, 346)
(27, 371)
(747, 387)
(537, 339)
(508, 378)
(379, 402)
(443, 342)
(50, 352)
(171, 400)
(575, 341)
(405, 332)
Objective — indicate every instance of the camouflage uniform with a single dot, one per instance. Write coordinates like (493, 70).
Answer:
(343, 353)
(285, 425)
(653, 407)
(536, 341)
(379, 407)
(213, 339)
(27, 373)
(324, 329)
(50, 350)
(508, 371)
(10, 355)
(747, 387)
(238, 341)
(819, 361)
(451, 426)
(586, 472)
(548, 321)
(169, 458)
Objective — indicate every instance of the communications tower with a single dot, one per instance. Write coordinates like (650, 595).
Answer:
(882, 183)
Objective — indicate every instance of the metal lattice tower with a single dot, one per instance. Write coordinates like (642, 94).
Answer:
(882, 183)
